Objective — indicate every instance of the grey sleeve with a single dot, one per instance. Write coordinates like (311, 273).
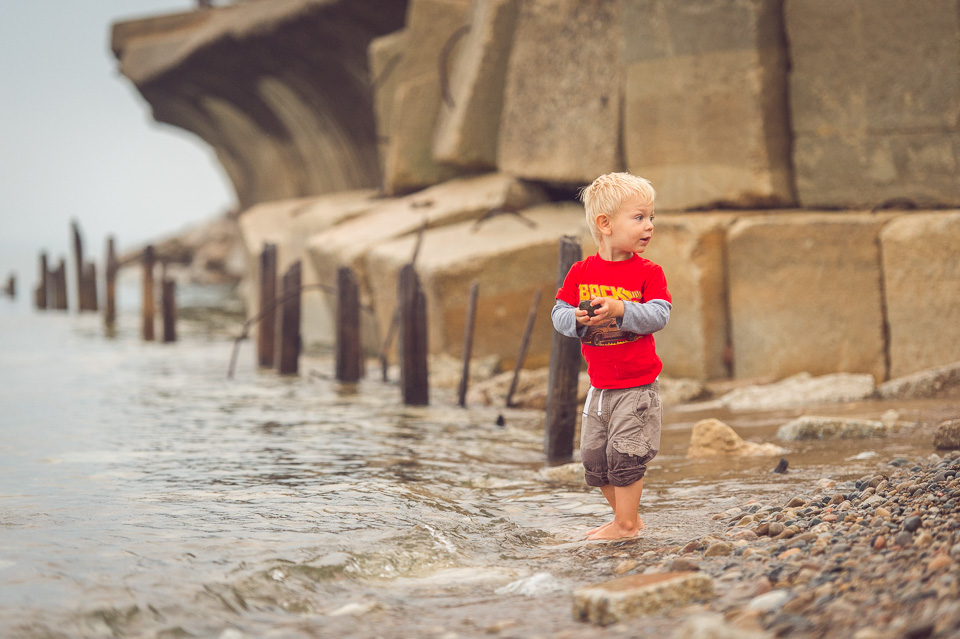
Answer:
(643, 319)
(565, 321)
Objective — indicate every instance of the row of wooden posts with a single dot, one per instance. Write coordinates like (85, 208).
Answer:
(278, 340)
(278, 334)
(51, 291)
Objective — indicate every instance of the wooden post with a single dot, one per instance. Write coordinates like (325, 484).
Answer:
(288, 323)
(168, 301)
(412, 338)
(564, 374)
(267, 331)
(148, 260)
(42, 287)
(78, 265)
(11, 287)
(348, 352)
(60, 286)
(468, 344)
(90, 286)
(524, 346)
(110, 304)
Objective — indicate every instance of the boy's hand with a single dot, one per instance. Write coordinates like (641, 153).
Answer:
(604, 308)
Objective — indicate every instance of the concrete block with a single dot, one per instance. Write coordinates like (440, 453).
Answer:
(705, 115)
(384, 54)
(921, 282)
(874, 93)
(510, 257)
(691, 250)
(455, 201)
(289, 224)
(638, 595)
(561, 110)
(409, 163)
(470, 123)
(805, 294)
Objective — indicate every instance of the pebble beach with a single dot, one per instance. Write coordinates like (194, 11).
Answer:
(874, 558)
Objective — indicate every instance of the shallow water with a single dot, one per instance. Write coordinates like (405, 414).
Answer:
(144, 494)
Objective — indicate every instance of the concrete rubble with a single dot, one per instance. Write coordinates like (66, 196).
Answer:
(815, 427)
(638, 595)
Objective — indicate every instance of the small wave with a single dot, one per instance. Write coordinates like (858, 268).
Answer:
(539, 584)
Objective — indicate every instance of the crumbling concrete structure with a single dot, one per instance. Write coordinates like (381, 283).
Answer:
(791, 143)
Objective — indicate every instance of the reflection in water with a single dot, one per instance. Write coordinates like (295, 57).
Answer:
(143, 494)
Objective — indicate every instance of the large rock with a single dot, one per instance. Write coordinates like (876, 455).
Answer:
(289, 224)
(805, 294)
(470, 115)
(561, 111)
(409, 163)
(712, 438)
(705, 115)
(874, 92)
(510, 257)
(814, 427)
(921, 281)
(926, 383)
(691, 249)
(638, 595)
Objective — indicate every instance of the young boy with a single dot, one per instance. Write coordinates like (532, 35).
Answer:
(614, 301)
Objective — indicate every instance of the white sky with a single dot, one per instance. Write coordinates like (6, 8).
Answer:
(78, 142)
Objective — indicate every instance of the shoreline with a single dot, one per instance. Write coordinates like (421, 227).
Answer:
(875, 558)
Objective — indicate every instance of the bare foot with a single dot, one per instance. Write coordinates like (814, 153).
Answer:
(613, 530)
(597, 529)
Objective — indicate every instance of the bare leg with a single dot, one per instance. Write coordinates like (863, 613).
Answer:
(610, 494)
(626, 519)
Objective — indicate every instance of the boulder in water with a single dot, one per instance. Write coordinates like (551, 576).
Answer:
(711, 438)
(814, 427)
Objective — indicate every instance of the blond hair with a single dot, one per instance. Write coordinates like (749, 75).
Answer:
(606, 195)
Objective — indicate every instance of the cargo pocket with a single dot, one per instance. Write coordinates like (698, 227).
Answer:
(642, 437)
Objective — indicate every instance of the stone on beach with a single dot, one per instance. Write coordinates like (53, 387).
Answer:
(638, 595)
(800, 390)
(925, 383)
(711, 437)
(713, 626)
(814, 427)
(947, 434)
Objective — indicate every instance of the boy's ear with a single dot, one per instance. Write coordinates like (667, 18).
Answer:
(603, 224)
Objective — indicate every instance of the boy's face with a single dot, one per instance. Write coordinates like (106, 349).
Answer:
(630, 229)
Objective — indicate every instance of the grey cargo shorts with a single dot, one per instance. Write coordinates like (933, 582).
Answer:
(620, 433)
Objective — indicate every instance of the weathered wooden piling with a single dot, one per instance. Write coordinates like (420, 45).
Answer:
(524, 346)
(564, 373)
(78, 265)
(148, 260)
(11, 287)
(468, 344)
(90, 287)
(59, 276)
(168, 303)
(267, 331)
(412, 338)
(349, 358)
(41, 292)
(110, 290)
(288, 322)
